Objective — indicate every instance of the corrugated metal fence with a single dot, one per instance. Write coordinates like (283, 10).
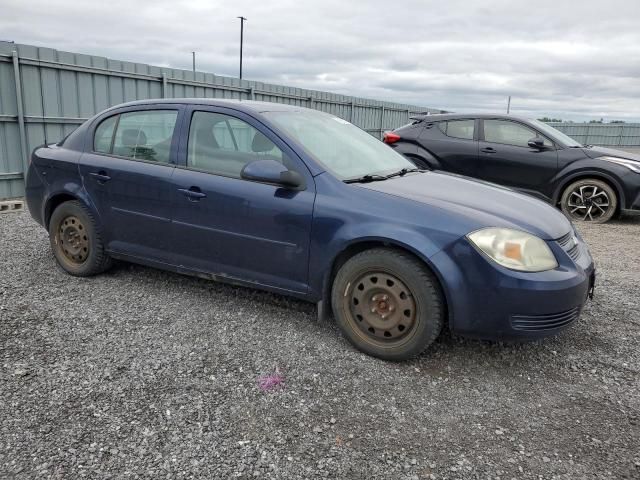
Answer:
(45, 94)
(605, 134)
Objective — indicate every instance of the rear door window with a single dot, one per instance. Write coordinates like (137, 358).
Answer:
(104, 135)
(144, 135)
(458, 128)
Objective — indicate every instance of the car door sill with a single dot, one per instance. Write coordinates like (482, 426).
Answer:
(218, 277)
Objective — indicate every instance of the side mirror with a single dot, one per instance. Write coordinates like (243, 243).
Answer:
(270, 171)
(536, 143)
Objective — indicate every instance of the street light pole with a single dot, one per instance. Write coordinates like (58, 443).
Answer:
(242, 20)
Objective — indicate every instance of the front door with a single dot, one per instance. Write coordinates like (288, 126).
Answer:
(506, 158)
(227, 226)
(127, 173)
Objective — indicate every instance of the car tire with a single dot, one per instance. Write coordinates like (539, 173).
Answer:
(589, 200)
(388, 304)
(76, 240)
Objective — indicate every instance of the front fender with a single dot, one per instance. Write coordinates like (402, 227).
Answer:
(324, 254)
(571, 173)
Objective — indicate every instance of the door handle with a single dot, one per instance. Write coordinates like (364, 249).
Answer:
(192, 193)
(100, 176)
(488, 150)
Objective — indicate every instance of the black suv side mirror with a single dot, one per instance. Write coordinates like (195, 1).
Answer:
(270, 171)
(536, 143)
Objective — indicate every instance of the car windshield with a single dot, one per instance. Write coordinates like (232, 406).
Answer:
(342, 148)
(555, 134)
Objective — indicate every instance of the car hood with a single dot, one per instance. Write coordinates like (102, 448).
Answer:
(483, 204)
(595, 152)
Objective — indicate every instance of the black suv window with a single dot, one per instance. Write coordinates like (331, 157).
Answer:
(144, 135)
(223, 145)
(458, 128)
(510, 133)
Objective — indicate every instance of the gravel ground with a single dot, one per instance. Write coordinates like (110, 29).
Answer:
(141, 373)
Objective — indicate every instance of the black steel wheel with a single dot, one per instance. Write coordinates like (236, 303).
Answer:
(589, 200)
(76, 241)
(388, 304)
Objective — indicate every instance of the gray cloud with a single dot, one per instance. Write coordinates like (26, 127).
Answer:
(575, 60)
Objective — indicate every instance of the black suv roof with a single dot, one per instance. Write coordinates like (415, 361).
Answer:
(459, 116)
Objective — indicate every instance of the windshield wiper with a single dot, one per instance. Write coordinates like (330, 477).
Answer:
(403, 172)
(379, 178)
(366, 179)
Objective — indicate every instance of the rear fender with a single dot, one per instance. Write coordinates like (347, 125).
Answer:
(61, 193)
(428, 158)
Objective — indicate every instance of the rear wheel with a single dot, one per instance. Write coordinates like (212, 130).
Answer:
(76, 241)
(388, 304)
(589, 200)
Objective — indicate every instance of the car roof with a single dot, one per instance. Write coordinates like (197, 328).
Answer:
(242, 105)
(437, 117)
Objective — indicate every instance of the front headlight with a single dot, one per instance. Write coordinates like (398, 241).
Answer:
(630, 164)
(514, 249)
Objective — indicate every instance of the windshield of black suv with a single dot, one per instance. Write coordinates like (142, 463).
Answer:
(555, 134)
(342, 148)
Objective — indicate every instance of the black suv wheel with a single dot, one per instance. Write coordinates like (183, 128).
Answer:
(589, 200)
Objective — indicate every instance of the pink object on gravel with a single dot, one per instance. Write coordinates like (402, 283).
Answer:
(270, 382)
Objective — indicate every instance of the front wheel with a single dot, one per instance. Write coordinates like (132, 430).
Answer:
(589, 200)
(388, 304)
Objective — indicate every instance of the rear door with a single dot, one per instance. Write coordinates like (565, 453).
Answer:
(506, 158)
(454, 143)
(126, 171)
(227, 226)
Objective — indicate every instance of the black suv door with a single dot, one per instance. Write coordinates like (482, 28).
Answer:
(454, 143)
(506, 158)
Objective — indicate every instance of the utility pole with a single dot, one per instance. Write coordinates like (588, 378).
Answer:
(508, 104)
(242, 20)
(194, 61)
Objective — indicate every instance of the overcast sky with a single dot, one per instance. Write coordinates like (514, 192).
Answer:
(571, 59)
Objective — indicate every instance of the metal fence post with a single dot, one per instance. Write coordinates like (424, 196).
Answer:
(408, 115)
(381, 120)
(311, 103)
(352, 113)
(164, 85)
(252, 92)
(21, 128)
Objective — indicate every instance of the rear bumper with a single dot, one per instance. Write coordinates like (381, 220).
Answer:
(488, 301)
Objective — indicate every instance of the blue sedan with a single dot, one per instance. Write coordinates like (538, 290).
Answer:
(303, 203)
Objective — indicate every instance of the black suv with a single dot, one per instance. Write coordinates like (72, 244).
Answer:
(589, 183)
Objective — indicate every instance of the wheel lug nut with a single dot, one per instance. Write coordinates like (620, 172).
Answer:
(385, 298)
(373, 310)
(392, 308)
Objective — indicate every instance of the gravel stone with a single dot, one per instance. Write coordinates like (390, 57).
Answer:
(139, 373)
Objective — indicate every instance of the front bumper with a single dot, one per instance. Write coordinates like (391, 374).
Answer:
(488, 301)
(631, 186)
